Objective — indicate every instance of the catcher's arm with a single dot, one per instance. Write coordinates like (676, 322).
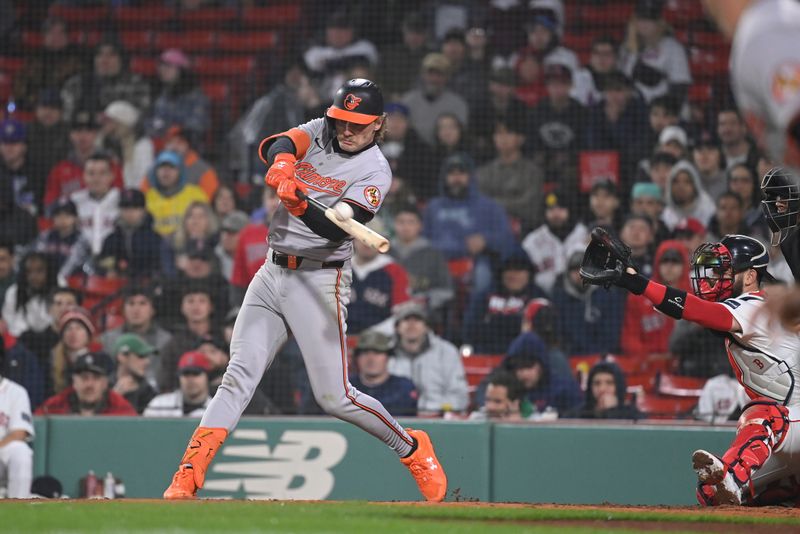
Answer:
(607, 262)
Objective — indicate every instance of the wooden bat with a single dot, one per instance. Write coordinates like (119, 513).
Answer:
(369, 237)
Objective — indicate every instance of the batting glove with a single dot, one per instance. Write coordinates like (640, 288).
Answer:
(282, 169)
(287, 192)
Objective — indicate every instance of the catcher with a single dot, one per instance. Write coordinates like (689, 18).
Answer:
(759, 467)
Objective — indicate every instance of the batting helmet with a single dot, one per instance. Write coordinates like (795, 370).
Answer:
(715, 265)
(359, 101)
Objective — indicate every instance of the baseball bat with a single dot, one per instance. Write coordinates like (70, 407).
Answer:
(369, 237)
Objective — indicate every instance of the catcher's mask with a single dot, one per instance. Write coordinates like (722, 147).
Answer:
(712, 272)
(780, 203)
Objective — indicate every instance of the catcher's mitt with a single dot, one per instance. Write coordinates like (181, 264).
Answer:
(605, 259)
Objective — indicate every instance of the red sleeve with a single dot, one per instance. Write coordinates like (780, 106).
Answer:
(399, 276)
(239, 272)
(713, 315)
(631, 341)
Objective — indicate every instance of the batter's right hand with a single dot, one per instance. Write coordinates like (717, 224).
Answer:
(282, 169)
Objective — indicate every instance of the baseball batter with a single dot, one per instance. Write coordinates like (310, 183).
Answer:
(16, 429)
(304, 286)
(761, 464)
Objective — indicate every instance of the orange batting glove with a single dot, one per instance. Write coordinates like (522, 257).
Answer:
(282, 169)
(287, 192)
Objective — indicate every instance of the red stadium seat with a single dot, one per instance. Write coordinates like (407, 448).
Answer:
(5, 88)
(478, 366)
(146, 66)
(224, 67)
(607, 16)
(208, 17)
(32, 39)
(216, 91)
(679, 386)
(148, 17)
(460, 269)
(137, 40)
(700, 92)
(279, 16)
(81, 17)
(637, 382)
(247, 42)
(190, 42)
(658, 407)
(683, 12)
(706, 64)
(11, 65)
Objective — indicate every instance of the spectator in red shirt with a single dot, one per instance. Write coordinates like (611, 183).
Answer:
(89, 393)
(251, 250)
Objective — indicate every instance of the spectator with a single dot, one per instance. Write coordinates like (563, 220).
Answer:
(7, 273)
(729, 217)
(673, 140)
(432, 363)
(658, 168)
(340, 52)
(61, 239)
(589, 318)
(199, 224)
(605, 396)
(76, 333)
(132, 355)
(549, 245)
(109, 80)
(648, 200)
(493, 318)
(638, 234)
(463, 223)
(193, 395)
(407, 154)
(549, 390)
(16, 456)
(121, 134)
(198, 171)
(49, 66)
(429, 278)
(197, 311)
(169, 194)
(654, 59)
(89, 393)
(707, 158)
(401, 62)
(48, 135)
(433, 99)
(646, 331)
(664, 112)
(544, 41)
(691, 233)
(372, 355)
(200, 267)
(732, 133)
(139, 315)
(225, 201)
(17, 166)
(67, 176)
(180, 98)
(602, 63)
(252, 247)
(451, 138)
(743, 181)
(17, 226)
(530, 85)
(467, 76)
(379, 284)
(501, 105)
(685, 196)
(98, 204)
(512, 180)
(25, 304)
(604, 206)
(503, 399)
(59, 301)
(231, 227)
(721, 400)
(134, 249)
(556, 128)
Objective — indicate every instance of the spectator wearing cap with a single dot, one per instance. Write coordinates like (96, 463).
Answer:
(372, 356)
(685, 196)
(168, 194)
(673, 140)
(48, 66)
(193, 394)
(593, 77)
(493, 318)
(637, 232)
(67, 176)
(511, 179)
(410, 158)
(646, 331)
(25, 304)
(729, 217)
(707, 159)
(89, 393)
(432, 363)
(76, 337)
(432, 98)
(139, 316)
(400, 62)
(48, 134)
(61, 239)
(198, 171)
(18, 167)
(500, 105)
(734, 142)
(589, 317)
(605, 395)
(339, 51)
(429, 278)
(108, 80)
(134, 249)
(653, 58)
(17, 226)
(556, 126)
(647, 199)
(179, 97)
(463, 223)
(232, 225)
(133, 359)
(549, 245)
(604, 206)
(122, 135)
(98, 202)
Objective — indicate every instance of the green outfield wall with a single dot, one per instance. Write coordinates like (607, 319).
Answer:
(321, 458)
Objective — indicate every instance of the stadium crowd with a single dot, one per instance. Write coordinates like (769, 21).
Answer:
(133, 212)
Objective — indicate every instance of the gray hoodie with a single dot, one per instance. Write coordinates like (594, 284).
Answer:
(701, 208)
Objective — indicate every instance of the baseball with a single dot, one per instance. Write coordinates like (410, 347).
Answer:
(343, 211)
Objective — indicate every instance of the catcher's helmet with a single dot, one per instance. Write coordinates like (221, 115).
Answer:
(359, 101)
(780, 202)
(714, 265)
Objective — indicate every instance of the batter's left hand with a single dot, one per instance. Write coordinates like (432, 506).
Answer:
(287, 192)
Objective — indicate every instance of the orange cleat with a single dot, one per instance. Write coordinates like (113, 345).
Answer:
(425, 468)
(191, 474)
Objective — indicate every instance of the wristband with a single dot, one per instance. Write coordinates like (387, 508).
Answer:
(635, 283)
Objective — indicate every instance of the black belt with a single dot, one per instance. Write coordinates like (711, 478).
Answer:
(293, 262)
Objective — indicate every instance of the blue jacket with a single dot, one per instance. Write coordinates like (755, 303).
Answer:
(398, 394)
(448, 221)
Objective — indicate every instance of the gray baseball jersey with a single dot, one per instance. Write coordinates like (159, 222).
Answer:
(363, 178)
(765, 73)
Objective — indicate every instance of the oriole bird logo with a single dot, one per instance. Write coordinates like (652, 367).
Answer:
(351, 101)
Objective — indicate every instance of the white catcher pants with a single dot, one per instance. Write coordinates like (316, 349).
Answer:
(16, 468)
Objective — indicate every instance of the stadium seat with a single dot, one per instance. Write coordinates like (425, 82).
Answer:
(224, 67)
(460, 269)
(247, 42)
(32, 39)
(11, 65)
(658, 407)
(150, 17)
(700, 93)
(679, 386)
(207, 17)
(478, 366)
(639, 382)
(146, 66)
(190, 41)
(609, 17)
(683, 12)
(277, 16)
(137, 41)
(5, 88)
(81, 17)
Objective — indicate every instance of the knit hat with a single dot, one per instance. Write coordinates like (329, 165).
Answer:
(76, 314)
